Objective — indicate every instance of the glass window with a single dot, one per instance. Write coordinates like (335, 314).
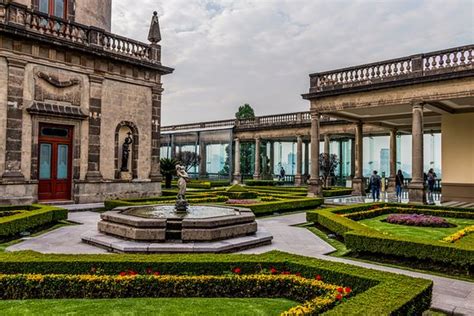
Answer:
(59, 8)
(44, 6)
(62, 161)
(45, 162)
(54, 132)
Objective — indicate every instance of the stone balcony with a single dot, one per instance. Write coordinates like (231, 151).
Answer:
(19, 20)
(428, 67)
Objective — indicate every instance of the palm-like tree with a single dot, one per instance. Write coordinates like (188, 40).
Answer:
(168, 170)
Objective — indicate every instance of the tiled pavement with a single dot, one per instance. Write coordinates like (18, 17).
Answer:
(449, 295)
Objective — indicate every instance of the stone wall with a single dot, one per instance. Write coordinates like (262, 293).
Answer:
(97, 13)
(125, 102)
(33, 83)
(3, 110)
(85, 192)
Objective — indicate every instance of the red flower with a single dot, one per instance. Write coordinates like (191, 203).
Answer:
(318, 277)
(285, 272)
(123, 273)
(149, 271)
(339, 297)
(298, 274)
(347, 290)
(340, 289)
(131, 272)
(156, 273)
(237, 270)
(273, 270)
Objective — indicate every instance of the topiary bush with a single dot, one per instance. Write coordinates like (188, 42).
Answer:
(21, 218)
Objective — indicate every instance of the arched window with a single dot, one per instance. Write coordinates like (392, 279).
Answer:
(53, 7)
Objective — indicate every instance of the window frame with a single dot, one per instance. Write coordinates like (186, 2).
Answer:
(51, 5)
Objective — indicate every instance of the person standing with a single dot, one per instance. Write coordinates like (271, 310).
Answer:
(399, 180)
(375, 183)
(282, 173)
(431, 178)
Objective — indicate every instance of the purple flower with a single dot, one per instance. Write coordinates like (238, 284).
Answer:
(417, 220)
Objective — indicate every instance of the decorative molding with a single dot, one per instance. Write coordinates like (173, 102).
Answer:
(54, 81)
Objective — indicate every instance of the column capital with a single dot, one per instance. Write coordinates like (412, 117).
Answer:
(94, 78)
(236, 139)
(315, 115)
(417, 103)
(14, 62)
(157, 89)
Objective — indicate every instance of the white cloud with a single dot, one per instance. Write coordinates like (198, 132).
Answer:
(226, 53)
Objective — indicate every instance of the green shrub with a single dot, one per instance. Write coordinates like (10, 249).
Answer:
(361, 238)
(268, 208)
(376, 292)
(236, 188)
(336, 191)
(262, 183)
(30, 217)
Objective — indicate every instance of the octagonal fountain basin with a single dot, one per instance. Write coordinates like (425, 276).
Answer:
(160, 223)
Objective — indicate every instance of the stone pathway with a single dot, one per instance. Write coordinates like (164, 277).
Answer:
(450, 295)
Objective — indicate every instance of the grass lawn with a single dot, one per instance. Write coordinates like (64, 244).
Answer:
(148, 306)
(413, 232)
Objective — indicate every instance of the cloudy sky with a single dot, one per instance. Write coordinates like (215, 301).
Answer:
(230, 52)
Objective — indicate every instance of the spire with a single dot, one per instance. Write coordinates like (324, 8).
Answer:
(154, 35)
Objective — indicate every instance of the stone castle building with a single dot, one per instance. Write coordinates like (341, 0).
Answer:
(79, 106)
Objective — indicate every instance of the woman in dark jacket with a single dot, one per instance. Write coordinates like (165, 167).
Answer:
(399, 184)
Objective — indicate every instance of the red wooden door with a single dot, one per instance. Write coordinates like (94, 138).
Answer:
(55, 162)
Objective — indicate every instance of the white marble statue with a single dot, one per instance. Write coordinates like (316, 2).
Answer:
(182, 180)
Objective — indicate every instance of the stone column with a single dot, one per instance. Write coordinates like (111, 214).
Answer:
(203, 161)
(393, 161)
(358, 183)
(314, 187)
(155, 173)
(14, 118)
(416, 188)
(299, 161)
(237, 175)
(256, 174)
(352, 158)
(306, 159)
(95, 120)
(272, 159)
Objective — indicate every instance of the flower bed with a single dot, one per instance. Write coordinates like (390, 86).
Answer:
(362, 238)
(315, 296)
(371, 292)
(460, 234)
(418, 220)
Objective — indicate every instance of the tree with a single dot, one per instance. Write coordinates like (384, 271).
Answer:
(188, 159)
(225, 171)
(168, 170)
(327, 166)
(245, 112)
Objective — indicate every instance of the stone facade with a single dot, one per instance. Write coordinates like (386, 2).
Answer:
(55, 81)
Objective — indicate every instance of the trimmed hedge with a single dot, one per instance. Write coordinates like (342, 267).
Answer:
(376, 292)
(268, 208)
(111, 204)
(361, 238)
(29, 217)
(252, 183)
(315, 296)
(336, 191)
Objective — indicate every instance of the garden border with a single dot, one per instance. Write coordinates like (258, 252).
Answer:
(377, 292)
(362, 238)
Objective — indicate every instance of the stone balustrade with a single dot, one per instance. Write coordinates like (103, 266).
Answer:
(17, 16)
(421, 65)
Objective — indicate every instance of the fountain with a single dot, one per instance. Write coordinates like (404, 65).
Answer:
(179, 227)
